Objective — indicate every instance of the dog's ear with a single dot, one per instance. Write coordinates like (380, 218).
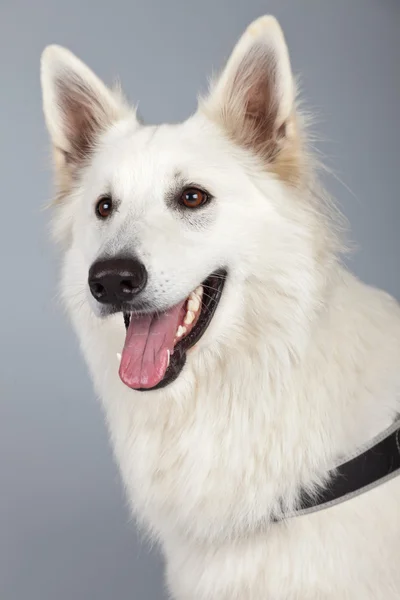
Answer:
(253, 99)
(78, 107)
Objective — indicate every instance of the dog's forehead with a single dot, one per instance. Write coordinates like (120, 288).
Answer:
(142, 154)
(149, 150)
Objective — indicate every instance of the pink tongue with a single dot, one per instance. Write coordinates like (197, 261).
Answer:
(148, 341)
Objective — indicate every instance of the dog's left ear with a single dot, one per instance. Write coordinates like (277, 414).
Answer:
(78, 106)
(253, 99)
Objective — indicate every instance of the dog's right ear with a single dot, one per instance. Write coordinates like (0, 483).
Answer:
(77, 105)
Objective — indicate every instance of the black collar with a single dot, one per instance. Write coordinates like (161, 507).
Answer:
(370, 466)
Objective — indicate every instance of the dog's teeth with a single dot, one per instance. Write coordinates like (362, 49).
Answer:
(189, 318)
(199, 291)
(181, 331)
(119, 357)
(194, 303)
(168, 357)
(195, 299)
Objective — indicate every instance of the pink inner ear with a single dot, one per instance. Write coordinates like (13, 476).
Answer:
(84, 117)
(254, 99)
(260, 81)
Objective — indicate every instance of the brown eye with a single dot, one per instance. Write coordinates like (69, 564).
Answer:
(104, 207)
(193, 197)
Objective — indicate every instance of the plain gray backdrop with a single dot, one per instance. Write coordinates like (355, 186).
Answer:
(65, 529)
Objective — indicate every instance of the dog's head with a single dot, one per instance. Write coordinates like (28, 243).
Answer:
(171, 226)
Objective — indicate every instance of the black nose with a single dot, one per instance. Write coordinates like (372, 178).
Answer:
(116, 280)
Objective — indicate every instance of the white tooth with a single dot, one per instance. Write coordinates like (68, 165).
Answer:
(168, 358)
(193, 304)
(189, 318)
(181, 331)
(199, 291)
(119, 357)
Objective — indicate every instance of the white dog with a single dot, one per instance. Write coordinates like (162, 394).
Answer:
(205, 255)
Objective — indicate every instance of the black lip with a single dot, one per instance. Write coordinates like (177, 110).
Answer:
(214, 285)
(125, 307)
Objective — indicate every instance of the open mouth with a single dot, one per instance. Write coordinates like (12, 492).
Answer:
(156, 344)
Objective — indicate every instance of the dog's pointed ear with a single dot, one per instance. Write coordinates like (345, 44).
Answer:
(77, 105)
(253, 99)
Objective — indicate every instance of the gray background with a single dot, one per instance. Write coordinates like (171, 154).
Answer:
(64, 527)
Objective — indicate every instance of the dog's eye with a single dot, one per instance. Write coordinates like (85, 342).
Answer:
(193, 197)
(104, 207)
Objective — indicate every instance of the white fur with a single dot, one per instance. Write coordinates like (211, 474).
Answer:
(299, 366)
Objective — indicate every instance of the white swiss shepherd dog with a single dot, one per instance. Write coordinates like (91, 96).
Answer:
(236, 358)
